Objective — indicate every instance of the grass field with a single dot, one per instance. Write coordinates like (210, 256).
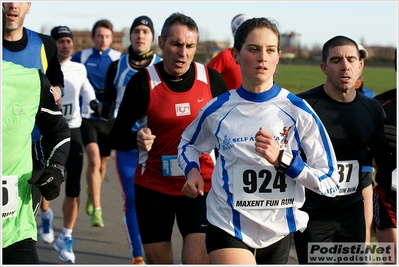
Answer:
(299, 78)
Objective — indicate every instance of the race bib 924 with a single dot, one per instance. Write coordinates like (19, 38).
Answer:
(262, 187)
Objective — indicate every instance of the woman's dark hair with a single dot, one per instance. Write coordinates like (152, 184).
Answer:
(247, 26)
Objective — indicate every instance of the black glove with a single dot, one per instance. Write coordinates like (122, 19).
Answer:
(48, 181)
(99, 94)
(96, 107)
(390, 135)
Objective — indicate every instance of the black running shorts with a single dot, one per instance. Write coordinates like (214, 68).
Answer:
(276, 253)
(97, 131)
(157, 212)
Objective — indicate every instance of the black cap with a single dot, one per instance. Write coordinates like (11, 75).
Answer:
(61, 31)
(143, 20)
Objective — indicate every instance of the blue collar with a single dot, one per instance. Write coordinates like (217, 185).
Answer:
(259, 97)
(101, 53)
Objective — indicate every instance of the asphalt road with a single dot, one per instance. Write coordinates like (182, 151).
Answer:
(106, 245)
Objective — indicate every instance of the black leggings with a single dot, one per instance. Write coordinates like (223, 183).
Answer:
(344, 225)
(22, 252)
(74, 164)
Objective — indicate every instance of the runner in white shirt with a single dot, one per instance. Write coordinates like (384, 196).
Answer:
(258, 184)
(78, 92)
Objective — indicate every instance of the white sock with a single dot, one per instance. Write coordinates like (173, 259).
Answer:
(67, 232)
(46, 214)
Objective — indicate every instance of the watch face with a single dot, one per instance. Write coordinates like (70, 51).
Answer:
(286, 159)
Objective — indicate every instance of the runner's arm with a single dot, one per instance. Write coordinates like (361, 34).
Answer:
(218, 85)
(53, 72)
(133, 106)
(52, 126)
(109, 98)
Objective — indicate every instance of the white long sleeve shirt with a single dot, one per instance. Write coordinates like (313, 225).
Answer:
(249, 199)
(78, 93)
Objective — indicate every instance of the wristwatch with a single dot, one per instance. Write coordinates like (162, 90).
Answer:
(61, 169)
(285, 160)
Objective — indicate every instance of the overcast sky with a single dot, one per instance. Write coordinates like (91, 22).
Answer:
(368, 22)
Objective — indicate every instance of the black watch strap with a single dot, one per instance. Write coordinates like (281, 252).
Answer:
(61, 169)
(285, 160)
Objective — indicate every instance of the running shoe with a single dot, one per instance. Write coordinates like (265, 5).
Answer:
(64, 247)
(138, 260)
(89, 203)
(97, 218)
(46, 231)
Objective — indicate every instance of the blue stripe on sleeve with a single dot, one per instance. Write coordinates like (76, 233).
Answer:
(220, 100)
(299, 102)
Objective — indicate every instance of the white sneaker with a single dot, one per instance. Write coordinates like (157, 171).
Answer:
(46, 231)
(64, 247)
